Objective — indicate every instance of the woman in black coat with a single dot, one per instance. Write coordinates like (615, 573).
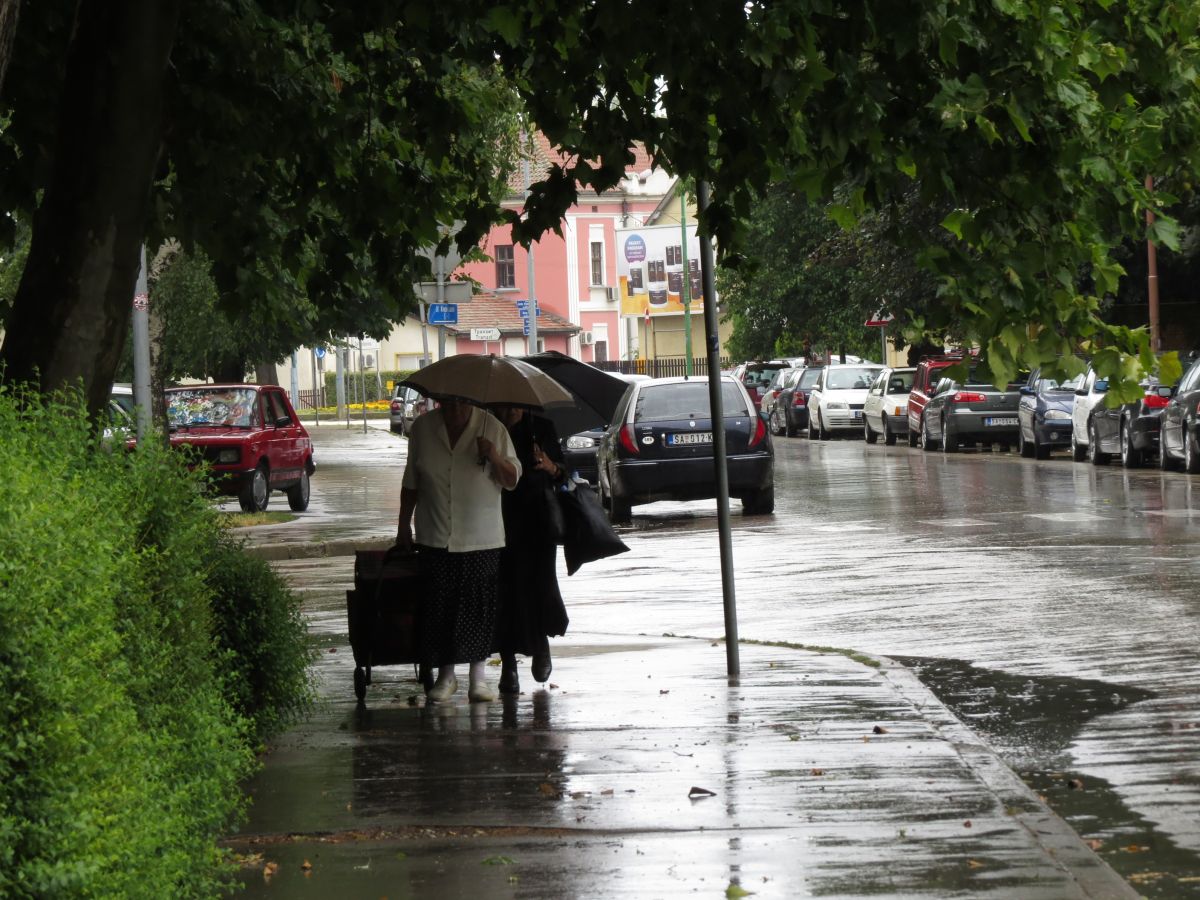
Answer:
(531, 607)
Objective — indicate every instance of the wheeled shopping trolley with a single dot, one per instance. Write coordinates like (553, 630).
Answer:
(382, 613)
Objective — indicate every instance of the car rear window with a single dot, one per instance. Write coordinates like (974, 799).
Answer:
(850, 379)
(209, 406)
(760, 377)
(900, 382)
(809, 378)
(685, 400)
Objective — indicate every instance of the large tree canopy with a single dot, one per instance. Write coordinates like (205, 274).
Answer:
(337, 133)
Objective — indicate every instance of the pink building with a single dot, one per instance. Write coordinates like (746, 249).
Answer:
(575, 275)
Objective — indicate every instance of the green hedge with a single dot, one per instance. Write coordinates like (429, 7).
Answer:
(122, 738)
(353, 382)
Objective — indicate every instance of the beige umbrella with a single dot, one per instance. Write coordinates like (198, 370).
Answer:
(489, 381)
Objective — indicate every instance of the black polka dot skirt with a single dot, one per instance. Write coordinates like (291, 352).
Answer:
(458, 616)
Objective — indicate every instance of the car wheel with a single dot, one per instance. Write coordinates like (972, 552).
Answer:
(1024, 447)
(889, 436)
(927, 441)
(812, 428)
(949, 444)
(777, 427)
(790, 429)
(1040, 450)
(1191, 453)
(913, 436)
(759, 503)
(1131, 456)
(1095, 454)
(1078, 451)
(397, 427)
(298, 493)
(822, 431)
(256, 492)
(1164, 458)
(868, 435)
(619, 511)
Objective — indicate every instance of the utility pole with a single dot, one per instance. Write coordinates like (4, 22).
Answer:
(685, 292)
(532, 346)
(441, 298)
(141, 350)
(1152, 277)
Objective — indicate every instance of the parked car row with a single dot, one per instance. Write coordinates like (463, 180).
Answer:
(1036, 413)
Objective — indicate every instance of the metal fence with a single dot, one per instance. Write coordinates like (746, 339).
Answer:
(660, 367)
(312, 399)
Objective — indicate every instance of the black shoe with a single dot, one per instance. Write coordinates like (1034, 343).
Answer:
(509, 683)
(542, 666)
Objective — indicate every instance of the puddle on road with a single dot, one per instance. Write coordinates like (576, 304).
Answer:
(1031, 722)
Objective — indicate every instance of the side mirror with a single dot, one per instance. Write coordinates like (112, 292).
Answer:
(1165, 390)
(283, 422)
(1080, 392)
(1026, 391)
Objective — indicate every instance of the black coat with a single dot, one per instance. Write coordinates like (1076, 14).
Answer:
(531, 606)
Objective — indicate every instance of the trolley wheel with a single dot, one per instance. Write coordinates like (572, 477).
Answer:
(360, 683)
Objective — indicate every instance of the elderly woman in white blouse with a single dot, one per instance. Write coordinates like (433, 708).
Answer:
(460, 460)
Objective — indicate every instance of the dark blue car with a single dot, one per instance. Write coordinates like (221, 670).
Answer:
(1044, 414)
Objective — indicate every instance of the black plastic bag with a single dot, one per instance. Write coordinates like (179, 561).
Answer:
(589, 536)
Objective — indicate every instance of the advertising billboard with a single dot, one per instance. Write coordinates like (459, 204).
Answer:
(651, 270)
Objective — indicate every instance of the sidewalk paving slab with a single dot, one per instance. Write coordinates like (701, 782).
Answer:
(828, 778)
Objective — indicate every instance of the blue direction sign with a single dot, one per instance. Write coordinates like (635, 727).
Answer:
(525, 328)
(320, 351)
(443, 313)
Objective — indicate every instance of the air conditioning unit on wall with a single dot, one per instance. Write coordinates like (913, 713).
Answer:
(586, 338)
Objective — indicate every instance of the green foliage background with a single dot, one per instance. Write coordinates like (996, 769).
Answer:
(128, 712)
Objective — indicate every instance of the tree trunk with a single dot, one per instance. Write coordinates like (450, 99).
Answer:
(266, 373)
(72, 309)
(9, 13)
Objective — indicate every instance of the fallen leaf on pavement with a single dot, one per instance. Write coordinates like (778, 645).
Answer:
(498, 861)
(270, 869)
(1075, 784)
(547, 789)
(664, 692)
(967, 824)
(818, 771)
(1134, 848)
(1095, 844)
(306, 866)
(879, 729)
(975, 864)
(700, 792)
(736, 890)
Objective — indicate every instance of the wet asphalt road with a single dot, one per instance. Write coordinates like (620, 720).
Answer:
(1071, 587)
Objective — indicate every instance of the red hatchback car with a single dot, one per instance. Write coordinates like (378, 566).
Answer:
(250, 437)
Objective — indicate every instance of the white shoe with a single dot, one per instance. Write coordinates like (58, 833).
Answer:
(443, 689)
(481, 692)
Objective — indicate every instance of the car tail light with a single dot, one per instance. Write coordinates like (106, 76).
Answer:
(1154, 401)
(396, 406)
(798, 399)
(969, 397)
(627, 440)
(760, 431)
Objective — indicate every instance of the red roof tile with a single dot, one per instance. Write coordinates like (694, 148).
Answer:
(488, 310)
(545, 155)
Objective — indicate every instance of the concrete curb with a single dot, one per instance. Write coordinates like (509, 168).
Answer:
(1094, 877)
(316, 549)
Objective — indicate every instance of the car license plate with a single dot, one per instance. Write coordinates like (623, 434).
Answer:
(1001, 420)
(690, 437)
(856, 413)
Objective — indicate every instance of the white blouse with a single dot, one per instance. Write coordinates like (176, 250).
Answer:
(458, 498)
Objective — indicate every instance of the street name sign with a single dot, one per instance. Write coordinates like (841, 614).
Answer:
(443, 313)
(485, 334)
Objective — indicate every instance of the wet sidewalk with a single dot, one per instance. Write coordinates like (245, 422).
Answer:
(641, 771)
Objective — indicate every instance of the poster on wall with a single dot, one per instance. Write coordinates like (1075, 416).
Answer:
(653, 269)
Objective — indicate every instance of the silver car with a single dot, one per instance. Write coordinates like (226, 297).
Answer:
(972, 411)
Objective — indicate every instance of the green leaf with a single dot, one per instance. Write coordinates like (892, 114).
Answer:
(1164, 231)
(955, 221)
(905, 164)
(1170, 369)
(736, 890)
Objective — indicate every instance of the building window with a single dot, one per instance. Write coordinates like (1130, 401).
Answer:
(597, 263)
(506, 272)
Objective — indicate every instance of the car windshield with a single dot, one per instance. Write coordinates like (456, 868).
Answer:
(236, 407)
(685, 400)
(759, 377)
(849, 379)
(900, 382)
(1049, 384)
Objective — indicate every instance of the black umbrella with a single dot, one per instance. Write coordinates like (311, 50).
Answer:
(596, 393)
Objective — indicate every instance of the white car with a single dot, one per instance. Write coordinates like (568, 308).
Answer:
(1088, 396)
(836, 401)
(885, 411)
